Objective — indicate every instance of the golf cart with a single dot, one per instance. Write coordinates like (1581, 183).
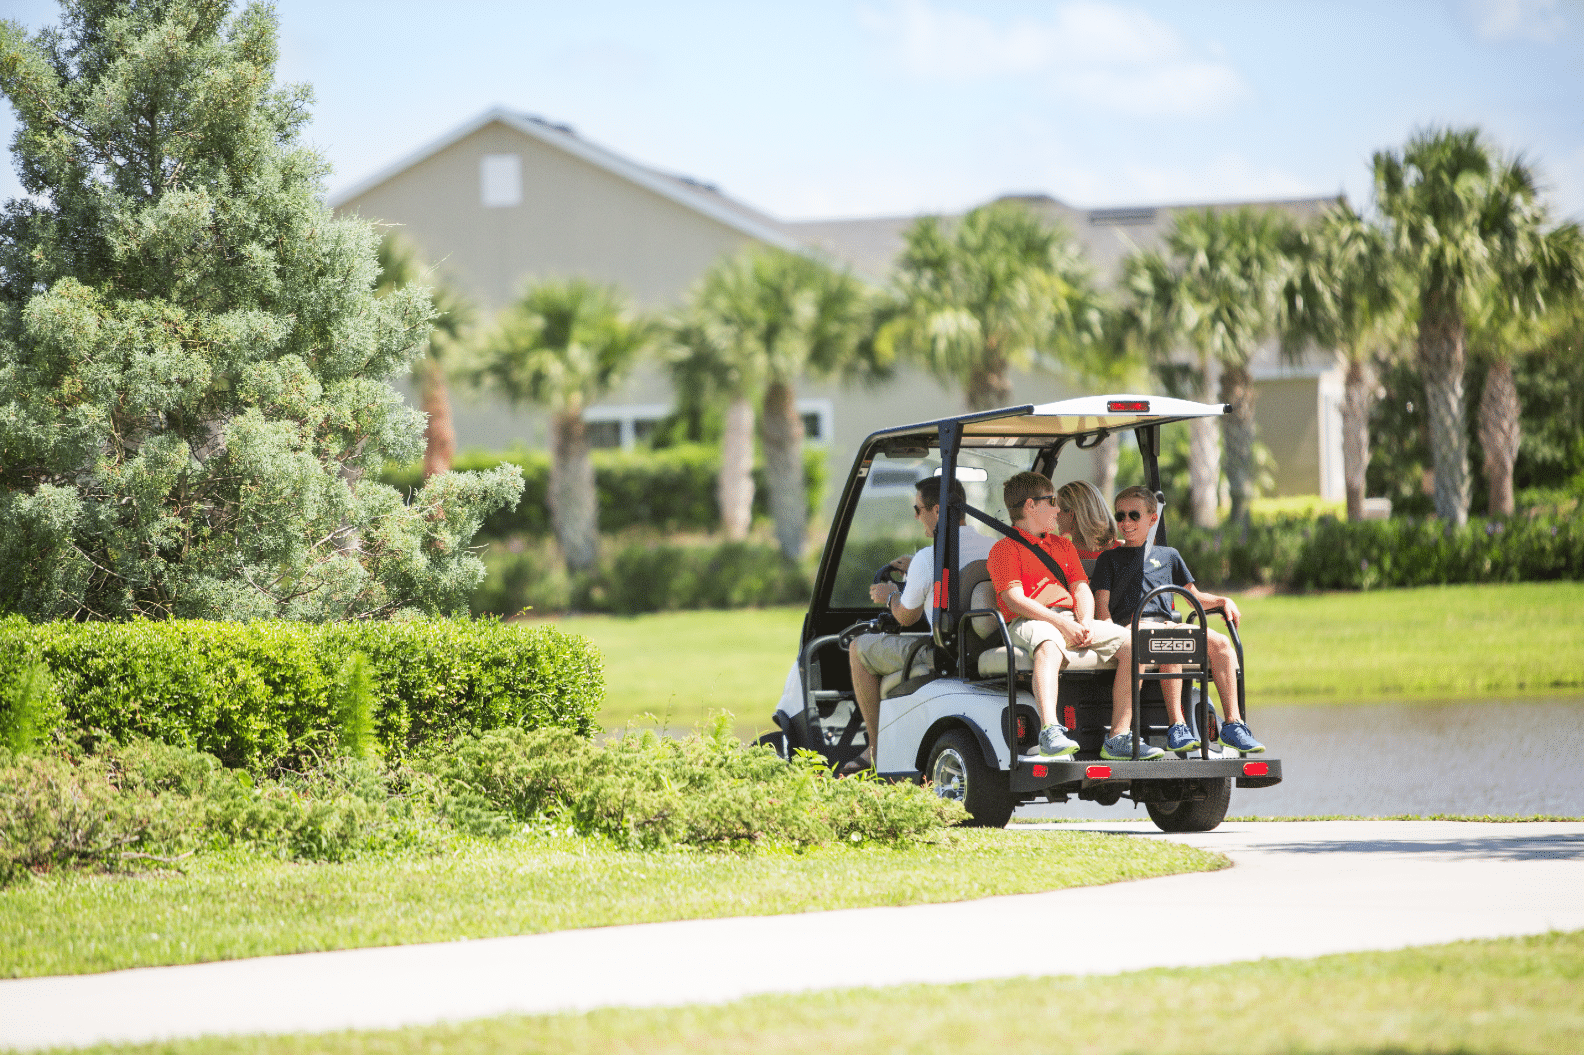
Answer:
(957, 716)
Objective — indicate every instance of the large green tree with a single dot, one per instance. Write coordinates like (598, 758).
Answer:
(1467, 225)
(1219, 287)
(1348, 297)
(997, 291)
(563, 345)
(194, 367)
(758, 323)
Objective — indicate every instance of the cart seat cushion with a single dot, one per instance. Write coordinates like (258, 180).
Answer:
(923, 663)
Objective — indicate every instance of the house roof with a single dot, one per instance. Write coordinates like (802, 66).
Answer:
(692, 194)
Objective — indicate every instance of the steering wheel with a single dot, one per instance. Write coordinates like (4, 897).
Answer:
(892, 574)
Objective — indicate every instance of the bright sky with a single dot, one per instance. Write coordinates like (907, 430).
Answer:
(826, 108)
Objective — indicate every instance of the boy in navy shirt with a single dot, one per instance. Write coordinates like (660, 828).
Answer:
(1118, 588)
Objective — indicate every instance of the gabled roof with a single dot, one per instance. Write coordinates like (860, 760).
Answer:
(690, 194)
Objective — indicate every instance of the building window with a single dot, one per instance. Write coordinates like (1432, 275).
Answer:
(818, 420)
(500, 180)
(623, 426)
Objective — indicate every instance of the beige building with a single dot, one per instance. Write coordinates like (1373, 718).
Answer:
(509, 198)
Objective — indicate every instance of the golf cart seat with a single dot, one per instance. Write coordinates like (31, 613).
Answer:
(986, 654)
(920, 666)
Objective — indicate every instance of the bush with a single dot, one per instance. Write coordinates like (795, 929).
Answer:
(646, 791)
(643, 576)
(669, 490)
(264, 694)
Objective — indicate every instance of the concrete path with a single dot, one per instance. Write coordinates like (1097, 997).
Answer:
(1302, 889)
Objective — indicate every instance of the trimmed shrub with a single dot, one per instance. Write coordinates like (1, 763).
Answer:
(669, 490)
(643, 577)
(262, 694)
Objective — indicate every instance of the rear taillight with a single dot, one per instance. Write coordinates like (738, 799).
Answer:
(1042, 771)
(1255, 769)
(1098, 773)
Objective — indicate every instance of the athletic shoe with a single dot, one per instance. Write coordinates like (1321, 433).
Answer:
(1236, 735)
(1178, 738)
(1119, 748)
(1055, 743)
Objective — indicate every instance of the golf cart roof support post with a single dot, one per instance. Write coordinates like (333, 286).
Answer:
(945, 600)
(1149, 444)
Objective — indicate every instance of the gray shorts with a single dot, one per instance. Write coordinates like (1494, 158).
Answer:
(883, 654)
(1105, 638)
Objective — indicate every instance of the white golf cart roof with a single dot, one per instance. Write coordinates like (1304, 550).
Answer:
(1039, 425)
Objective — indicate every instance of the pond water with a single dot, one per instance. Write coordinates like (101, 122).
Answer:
(1500, 757)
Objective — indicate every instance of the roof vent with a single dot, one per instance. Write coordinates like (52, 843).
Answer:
(1121, 217)
(700, 184)
(566, 129)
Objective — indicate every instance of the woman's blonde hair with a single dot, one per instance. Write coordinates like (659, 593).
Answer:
(1092, 523)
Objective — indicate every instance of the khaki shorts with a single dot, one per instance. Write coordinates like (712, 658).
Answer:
(1104, 640)
(883, 654)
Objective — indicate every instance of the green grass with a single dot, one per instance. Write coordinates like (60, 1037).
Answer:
(1437, 642)
(1509, 996)
(229, 907)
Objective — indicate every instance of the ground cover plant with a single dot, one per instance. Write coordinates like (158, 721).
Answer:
(1337, 647)
(1510, 996)
(238, 904)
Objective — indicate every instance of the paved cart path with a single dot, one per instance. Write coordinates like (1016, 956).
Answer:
(1304, 889)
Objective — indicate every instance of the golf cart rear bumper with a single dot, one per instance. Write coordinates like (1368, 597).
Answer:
(1068, 775)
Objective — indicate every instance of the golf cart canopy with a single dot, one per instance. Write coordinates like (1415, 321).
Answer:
(1086, 421)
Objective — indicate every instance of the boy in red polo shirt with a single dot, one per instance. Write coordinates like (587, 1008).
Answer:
(1054, 623)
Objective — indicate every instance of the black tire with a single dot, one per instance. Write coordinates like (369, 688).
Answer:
(1202, 816)
(957, 770)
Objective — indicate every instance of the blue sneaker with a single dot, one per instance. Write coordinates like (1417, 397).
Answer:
(1236, 735)
(1178, 738)
(1119, 748)
(1055, 743)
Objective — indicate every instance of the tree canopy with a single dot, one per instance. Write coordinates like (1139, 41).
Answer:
(194, 366)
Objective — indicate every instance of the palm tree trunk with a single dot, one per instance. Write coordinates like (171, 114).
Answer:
(1105, 465)
(734, 488)
(1204, 463)
(574, 504)
(1441, 359)
(781, 429)
(1356, 399)
(1237, 431)
(988, 384)
(439, 435)
(1500, 434)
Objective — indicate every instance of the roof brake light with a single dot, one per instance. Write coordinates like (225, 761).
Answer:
(1127, 406)
(1098, 773)
(1255, 769)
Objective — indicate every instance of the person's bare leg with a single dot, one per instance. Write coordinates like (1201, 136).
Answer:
(1172, 690)
(1121, 693)
(1223, 671)
(1048, 660)
(866, 692)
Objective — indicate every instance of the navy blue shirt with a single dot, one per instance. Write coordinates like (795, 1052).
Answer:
(1117, 570)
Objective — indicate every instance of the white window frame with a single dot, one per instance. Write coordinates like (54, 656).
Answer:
(500, 181)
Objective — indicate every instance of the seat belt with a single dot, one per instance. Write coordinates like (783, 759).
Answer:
(1017, 536)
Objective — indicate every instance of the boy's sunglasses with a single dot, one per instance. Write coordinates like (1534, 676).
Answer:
(1128, 514)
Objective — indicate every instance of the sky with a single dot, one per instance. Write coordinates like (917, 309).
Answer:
(838, 108)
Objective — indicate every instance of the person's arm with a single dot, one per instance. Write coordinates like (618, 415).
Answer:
(1102, 600)
(1083, 603)
(1075, 633)
(1214, 600)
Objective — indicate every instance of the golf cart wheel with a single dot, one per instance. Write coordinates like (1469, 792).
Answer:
(1202, 816)
(957, 771)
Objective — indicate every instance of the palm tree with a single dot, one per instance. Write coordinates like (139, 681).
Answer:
(1465, 224)
(563, 345)
(1219, 288)
(1537, 306)
(400, 266)
(757, 324)
(1349, 298)
(999, 291)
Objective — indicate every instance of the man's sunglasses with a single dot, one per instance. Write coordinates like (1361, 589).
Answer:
(1045, 498)
(1128, 514)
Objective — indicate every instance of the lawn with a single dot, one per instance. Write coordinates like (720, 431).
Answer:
(231, 906)
(1508, 996)
(1436, 642)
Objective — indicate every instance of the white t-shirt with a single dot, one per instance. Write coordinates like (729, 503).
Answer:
(971, 546)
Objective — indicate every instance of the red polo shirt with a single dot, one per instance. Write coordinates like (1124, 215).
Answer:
(1011, 563)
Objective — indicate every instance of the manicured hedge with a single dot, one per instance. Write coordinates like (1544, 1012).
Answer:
(1332, 554)
(259, 694)
(669, 490)
(642, 577)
